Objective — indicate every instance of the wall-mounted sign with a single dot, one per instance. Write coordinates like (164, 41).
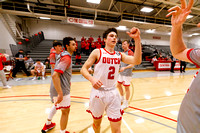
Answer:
(80, 21)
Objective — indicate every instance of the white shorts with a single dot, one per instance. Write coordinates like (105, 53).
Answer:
(65, 103)
(109, 101)
(125, 80)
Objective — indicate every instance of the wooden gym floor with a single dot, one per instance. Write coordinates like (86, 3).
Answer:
(153, 107)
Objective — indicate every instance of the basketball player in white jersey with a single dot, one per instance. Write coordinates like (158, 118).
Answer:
(189, 113)
(104, 94)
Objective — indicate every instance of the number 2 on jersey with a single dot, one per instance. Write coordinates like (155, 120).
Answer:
(111, 73)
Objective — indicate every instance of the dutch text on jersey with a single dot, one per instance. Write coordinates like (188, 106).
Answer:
(108, 60)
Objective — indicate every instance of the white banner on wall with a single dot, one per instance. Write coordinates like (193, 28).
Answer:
(80, 21)
(168, 65)
(164, 65)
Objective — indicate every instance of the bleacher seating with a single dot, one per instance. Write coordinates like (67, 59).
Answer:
(42, 51)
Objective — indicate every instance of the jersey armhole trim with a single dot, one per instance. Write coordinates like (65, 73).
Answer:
(59, 71)
(188, 56)
(121, 55)
(99, 57)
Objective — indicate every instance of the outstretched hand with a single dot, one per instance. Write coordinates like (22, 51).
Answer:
(179, 14)
(134, 33)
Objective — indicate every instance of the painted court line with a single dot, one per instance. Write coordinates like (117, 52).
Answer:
(157, 107)
(151, 120)
(88, 99)
(127, 125)
(153, 113)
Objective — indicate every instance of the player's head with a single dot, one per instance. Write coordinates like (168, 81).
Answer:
(125, 45)
(110, 37)
(56, 43)
(105, 34)
(57, 46)
(28, 56)
(38, 61)
(21, 50)
(69, 44)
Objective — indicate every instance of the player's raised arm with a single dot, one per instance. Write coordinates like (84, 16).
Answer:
(179, 15)
(94, 56)
(137, 58)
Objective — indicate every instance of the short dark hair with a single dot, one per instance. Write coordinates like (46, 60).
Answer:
(66, 41)
(105, 34)
(56, 44)
(38, 60)
(21, 50)
(125, 41)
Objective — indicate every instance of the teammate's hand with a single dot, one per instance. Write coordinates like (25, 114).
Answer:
(96, 83)
(179, 14)
(122, 69)
(59, 99)
(134, 33)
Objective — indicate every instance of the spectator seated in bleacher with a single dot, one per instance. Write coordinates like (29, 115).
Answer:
(153, 59)
(47, 63)
(93, 46)
(168, 58)
(83, 43)
(78, 59)
(39, 68)
(161, 58)
(99, 39)
(98, 45)
(28, 62)
(87, 48)
(82, 39)
(76, 46)
(91, 39)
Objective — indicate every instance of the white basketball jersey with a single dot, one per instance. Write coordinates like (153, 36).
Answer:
(107, 68)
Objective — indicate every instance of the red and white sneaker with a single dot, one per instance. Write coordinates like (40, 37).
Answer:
(48, 127)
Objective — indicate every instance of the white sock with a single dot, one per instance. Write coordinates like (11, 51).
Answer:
(122, 98)
(43, 74)
(62, 131)
(48, 122)
(51, 114)
(126, 101)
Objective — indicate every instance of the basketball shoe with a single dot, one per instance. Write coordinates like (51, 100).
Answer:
(48, 127)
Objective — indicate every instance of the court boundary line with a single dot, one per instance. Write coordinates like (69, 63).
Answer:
(153, 113)
(142, 110)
